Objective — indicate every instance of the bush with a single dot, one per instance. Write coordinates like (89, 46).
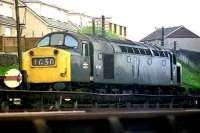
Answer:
(4, 69)
(191, 78)
(108, 34)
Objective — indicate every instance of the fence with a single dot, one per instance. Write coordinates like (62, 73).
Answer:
(191, 58)
(9, 44)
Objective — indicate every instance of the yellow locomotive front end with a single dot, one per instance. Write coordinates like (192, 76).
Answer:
(47, 65)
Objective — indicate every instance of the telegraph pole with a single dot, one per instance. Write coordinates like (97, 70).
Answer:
(93, 26)
(175, 47)
(162, 38)
(102, 18)
(103, 25)
(18, 35)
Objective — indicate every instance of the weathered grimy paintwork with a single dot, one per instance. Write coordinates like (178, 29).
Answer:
(106, 63)
(132, 68)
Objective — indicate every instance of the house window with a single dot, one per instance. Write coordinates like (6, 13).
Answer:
(115, 28)
(33, 33)
(120, 30)
(7, 31)
(6, 10)
(124, 31)
(51, 30)
(110, 27)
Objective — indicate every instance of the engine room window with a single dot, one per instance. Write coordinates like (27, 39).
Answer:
(142, 51)
(156, 53)
(166, 53)
(130, 50)
(136, 50)
(44, 42)
(57, 39)
(162, 54)
(148, 52)
(123, 49)
(71, 42)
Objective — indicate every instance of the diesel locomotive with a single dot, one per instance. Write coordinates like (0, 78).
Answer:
(80, 62)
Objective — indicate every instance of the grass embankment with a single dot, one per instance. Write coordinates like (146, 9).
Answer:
(4, 69)
(191, 78)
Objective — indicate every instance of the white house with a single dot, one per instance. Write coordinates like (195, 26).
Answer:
(47, 10)
(7, 21)
(184, 38)
(80, 19)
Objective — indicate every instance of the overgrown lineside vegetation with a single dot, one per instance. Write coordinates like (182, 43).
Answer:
(108, 34)
(4, 69)
(191, 78)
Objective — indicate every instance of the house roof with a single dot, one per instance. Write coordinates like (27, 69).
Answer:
(9, 21)
(53, 22)
(31, 1)
(172, 32)
(61, 25)
(8, 1)
(41, 2)
(80, 14)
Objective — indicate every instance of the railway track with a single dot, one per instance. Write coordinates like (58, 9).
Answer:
(26, 100)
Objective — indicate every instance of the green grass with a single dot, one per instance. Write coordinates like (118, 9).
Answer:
(88, 30)
(191, 78)
(4, 69)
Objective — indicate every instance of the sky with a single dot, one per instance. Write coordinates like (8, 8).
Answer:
(141, 17)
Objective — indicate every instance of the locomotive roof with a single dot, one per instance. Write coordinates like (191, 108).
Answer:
(90, 37)
(122, 42)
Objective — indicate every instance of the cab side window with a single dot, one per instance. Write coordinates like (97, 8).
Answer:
(70, 42)
(44, 42)
(85, 49)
